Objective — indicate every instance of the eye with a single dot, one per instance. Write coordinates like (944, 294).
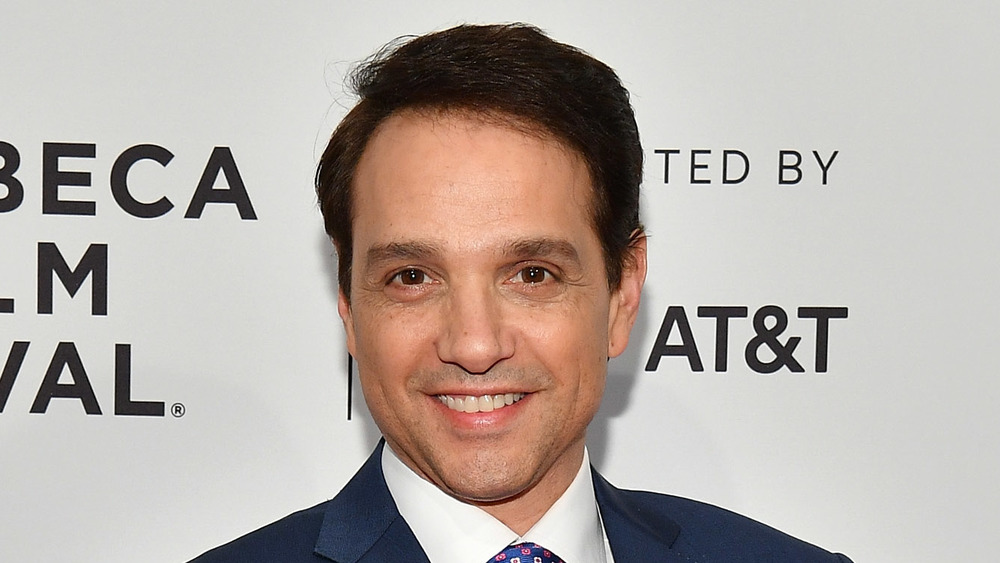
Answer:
(533, 275)
(409, 276)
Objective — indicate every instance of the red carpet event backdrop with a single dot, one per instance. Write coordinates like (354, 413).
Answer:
(814, 343)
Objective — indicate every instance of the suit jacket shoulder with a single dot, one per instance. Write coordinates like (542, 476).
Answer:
(360, 525)
(292, 539)
(646, 526)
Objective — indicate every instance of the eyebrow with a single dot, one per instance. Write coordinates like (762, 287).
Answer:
(522, 249)
(542, 248)
(405, 251)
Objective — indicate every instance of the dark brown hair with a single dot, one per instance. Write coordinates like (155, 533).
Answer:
(512, 74)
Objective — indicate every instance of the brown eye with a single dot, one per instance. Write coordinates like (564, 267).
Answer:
(533, 275)
(410, 276)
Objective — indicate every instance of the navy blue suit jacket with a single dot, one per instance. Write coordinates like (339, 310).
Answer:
(362, 525)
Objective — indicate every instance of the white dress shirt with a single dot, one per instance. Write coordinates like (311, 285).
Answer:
(450, 530)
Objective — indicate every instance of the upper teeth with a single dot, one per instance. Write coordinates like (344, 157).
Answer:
(486, 403)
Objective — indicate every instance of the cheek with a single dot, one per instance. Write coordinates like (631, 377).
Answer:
(384, 376)
(593, 373)
(591, 359)
(407, 337)
(574, 351)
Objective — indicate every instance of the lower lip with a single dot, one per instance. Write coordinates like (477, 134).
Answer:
(481, 420)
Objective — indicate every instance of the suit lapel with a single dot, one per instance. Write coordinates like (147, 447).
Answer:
(635, 534)
(362, 523)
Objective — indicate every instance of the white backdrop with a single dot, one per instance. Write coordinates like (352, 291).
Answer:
(890, 454)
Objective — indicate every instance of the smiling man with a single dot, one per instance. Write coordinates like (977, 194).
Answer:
(476, 263)
(483, 198)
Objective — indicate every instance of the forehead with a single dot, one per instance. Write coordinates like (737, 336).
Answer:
(456, 176)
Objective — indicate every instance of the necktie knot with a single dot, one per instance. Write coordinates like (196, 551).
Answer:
(526, 553)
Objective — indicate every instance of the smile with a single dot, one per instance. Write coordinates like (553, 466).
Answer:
(486, 403)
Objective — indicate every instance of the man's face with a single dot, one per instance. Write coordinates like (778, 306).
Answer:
(478, 273)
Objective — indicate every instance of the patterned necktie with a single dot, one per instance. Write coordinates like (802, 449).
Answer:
(526, 553)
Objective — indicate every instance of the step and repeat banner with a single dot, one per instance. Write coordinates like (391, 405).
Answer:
(815, 344)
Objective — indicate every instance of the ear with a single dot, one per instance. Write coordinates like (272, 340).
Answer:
(624, 306)
(344, 308)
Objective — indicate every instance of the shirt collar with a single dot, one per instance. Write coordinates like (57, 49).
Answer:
(572, 528)
(451, 530)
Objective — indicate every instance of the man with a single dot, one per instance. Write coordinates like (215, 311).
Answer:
(483, 200)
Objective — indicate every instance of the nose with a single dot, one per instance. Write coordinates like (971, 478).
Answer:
(475, 335)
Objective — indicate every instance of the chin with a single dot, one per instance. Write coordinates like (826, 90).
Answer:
(485, 494)
(485, 481)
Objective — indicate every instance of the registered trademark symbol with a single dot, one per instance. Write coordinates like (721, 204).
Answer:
(177, 409)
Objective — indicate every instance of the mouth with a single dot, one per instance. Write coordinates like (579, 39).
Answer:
(485, 403)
